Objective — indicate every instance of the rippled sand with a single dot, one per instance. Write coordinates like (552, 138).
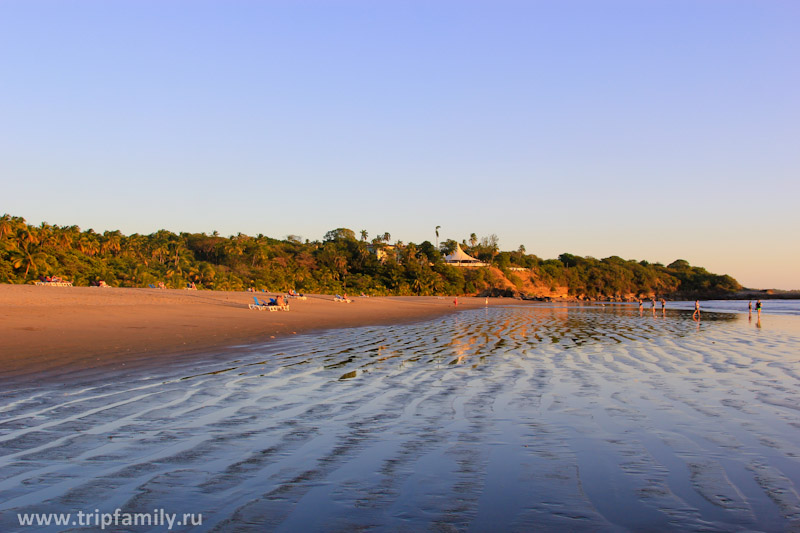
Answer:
(545, 418)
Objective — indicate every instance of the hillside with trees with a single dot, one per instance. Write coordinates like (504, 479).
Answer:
(342, 262)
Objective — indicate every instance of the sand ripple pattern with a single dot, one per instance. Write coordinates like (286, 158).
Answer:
(505, 419)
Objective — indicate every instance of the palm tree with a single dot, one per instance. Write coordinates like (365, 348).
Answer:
(28, 259)
(26, 236)
(364, 235)
(160, 251)
(87, 244)
(67, 236)
(46, 236)
(112, 243)
(437, 237)
(6, 225)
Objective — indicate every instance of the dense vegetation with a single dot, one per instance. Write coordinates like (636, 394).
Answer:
(341, 262)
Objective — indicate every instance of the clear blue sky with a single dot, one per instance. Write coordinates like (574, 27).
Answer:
(647, 129)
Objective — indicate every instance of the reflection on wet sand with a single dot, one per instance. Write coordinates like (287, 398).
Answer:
(568, 418)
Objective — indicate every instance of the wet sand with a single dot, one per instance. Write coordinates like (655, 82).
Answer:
(52, 331)
(543, 418)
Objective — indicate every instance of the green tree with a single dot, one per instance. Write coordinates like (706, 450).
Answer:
(340, 234)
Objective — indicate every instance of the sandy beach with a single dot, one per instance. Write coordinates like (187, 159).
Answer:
(52, 330)
(547, 417)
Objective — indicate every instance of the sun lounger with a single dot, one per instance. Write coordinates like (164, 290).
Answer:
(296, 296)
(258, 305)
(54, 283)
(273, 305)
(341, 299)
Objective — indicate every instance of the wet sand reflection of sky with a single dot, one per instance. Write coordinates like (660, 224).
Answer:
(539, 417)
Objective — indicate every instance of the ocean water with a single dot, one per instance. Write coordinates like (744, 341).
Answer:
(542, 417)
(769, 307)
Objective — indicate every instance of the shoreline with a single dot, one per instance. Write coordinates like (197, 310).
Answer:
(51, 332)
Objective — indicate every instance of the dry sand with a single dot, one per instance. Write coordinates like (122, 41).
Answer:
(55, 329)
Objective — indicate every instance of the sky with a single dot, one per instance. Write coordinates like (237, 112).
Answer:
(655, 130)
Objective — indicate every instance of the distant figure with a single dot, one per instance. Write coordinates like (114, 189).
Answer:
(696, 313)
(758, 310)
(455, 301)
(280, 301)
(486, 301)
(663, 304)
(641, 307)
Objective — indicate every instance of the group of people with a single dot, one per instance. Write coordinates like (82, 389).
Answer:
(696, 314)
(54, 281)
(51, 279)
(653, 300)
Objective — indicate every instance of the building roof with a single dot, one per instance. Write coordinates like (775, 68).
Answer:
(459, 256)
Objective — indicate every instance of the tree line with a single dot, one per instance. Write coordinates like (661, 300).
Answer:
(341, 262)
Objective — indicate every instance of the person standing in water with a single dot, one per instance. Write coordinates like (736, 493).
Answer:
(641, 307)
(696, 309)
(663, 307)
(758, 309)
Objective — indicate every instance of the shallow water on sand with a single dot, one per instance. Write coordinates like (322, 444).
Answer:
(530, 418)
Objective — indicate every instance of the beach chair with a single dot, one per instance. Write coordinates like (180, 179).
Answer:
(294, 294)
(272, 305)
(341, 299)
(258, 306)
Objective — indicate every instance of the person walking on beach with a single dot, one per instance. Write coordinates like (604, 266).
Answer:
(696, 313)
(758, 309)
